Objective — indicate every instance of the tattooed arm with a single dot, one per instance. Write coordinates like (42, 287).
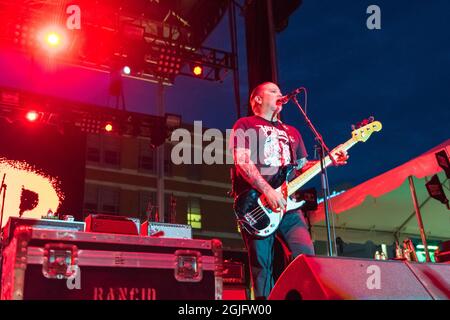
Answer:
(247, 169)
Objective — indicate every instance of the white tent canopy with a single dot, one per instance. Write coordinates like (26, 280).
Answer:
(382, 210)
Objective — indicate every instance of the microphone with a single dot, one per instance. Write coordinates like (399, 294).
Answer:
(285, 99)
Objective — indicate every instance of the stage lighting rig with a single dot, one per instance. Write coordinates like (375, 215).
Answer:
(158, 40)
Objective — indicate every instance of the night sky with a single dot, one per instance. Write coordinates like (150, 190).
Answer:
(399, 74)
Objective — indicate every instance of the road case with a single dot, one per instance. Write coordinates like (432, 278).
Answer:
(61, 264)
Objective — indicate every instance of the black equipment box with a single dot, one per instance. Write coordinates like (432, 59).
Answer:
(72, 265)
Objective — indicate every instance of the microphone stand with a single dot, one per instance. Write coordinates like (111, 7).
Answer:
(324, 175)
(2, 188)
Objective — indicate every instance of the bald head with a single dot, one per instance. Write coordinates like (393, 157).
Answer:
(261, 93)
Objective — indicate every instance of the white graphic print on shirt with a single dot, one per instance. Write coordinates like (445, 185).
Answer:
(276, 146)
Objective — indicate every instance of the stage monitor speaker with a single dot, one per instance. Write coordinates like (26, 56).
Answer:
(338, 278)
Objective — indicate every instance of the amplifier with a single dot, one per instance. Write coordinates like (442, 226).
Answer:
(48, 224)
(103, 223)
(166, 230)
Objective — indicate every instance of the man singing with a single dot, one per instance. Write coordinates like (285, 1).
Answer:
(256, 161)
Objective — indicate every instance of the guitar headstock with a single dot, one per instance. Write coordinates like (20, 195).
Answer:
(364, 129)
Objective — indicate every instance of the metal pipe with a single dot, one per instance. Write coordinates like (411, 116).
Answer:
(419, 217)
(273, 43)
(235, 57)
(160, 158)
(399, 229)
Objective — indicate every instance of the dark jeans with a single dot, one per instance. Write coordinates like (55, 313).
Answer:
(294, 231)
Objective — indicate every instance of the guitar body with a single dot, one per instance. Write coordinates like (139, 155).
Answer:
(254, 215)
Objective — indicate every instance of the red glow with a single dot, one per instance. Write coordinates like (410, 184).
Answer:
(108, 127)
(197, 70)
(32, 116)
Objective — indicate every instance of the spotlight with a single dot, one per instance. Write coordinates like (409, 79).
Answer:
(32, 116)
(53, 38)
(126, 70)
(108, 127)
(197, 70)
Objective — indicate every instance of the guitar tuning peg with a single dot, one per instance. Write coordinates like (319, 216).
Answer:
(353, 127)
(371, 119)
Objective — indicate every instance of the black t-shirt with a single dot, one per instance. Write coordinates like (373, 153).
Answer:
(271, 145)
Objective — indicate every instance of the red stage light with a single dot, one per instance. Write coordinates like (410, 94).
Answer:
(52, 38)
(32, 116)
(198, 70)
(108, 127)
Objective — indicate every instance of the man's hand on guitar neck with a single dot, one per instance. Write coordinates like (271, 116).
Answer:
(340, 155)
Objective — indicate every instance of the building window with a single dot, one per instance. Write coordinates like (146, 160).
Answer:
(93, 145)
(101, 199)
(90, 199)
(109, 200)
(147, 156)
(111, 157)
(111, 146)
(194, 216)
(103, 150)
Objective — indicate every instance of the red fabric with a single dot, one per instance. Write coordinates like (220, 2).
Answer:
(422, 166)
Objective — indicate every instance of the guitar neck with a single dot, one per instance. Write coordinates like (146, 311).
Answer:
(302, 179)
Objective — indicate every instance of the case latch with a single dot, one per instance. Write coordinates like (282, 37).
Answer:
(188, 266)
(60, 260)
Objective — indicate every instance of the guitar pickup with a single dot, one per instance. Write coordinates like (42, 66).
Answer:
(250, 219)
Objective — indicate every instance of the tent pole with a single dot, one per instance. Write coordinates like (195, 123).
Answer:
(419, 217)
(399, 229)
